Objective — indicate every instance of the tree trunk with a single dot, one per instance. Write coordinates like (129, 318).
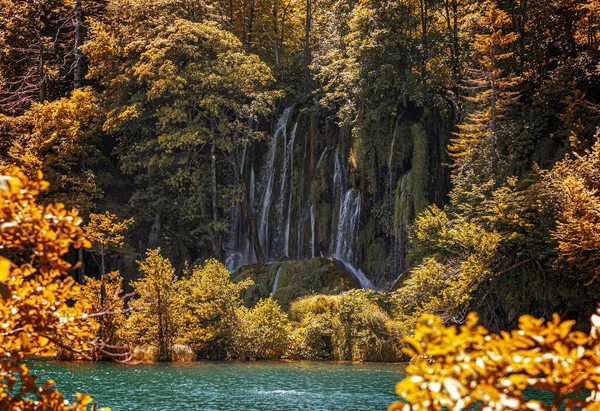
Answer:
(424, 56)
(250, 24)
(42, 75)
(213, 189)
(307, 56)
(162, 349)
(78, 69)
(81, 269)
(102, 286)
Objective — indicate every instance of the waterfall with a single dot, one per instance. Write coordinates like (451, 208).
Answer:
(339, 176)
(289, 158)
(321, 158)
(284, 209)
(347, 226)
(362, 279)
(268, 175)
(276, 280)
(235, 247)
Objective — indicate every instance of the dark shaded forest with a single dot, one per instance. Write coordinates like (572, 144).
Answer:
(442, 153)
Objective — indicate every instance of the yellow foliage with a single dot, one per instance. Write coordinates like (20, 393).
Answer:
(469, 368)
(206, 304)
(35, 315)
(261, 332)
(571, 189)
(152, 320)
(112, 304)
(104, 230)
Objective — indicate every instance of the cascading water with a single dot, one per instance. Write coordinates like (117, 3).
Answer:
(347, 226)
(276, 280)
(289, 158)
(286, 209)
(268, 176)
(347, 231)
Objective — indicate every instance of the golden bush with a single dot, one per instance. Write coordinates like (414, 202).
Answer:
(469, 368)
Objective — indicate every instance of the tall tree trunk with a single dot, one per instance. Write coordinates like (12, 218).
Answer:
(250, 24)
(424, 13)
(102, 286)
(213, 189)
(78, 69)
(162, 349)
(307, 56)
(81, 269)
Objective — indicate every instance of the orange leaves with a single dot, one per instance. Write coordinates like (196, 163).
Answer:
(471, 368)
(35, 318)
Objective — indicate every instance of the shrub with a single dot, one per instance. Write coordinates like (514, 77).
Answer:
(469, 368)
(261, 332)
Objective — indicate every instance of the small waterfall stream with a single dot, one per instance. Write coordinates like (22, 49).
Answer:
(276, 280)
(289, 158)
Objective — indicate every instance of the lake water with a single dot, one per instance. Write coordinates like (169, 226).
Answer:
(228, 385)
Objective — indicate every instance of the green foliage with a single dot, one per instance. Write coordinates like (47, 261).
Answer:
(455, 260)
(261, 332)
(296, 279)
(177, 89)
(153, 319)
(347, 326)
(206, 306)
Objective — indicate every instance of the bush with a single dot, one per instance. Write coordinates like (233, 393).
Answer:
(347, 326)
(465, 368)
(261, 332)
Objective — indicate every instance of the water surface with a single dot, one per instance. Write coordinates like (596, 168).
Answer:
(228, 385)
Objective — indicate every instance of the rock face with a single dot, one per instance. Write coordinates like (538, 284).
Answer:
(320, 190)
(289, 280)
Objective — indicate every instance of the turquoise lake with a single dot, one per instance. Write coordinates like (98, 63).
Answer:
(228, 385)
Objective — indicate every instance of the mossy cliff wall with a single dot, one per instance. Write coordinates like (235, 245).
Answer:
(319, 189)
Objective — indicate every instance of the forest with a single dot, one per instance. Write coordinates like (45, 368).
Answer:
(266, 179)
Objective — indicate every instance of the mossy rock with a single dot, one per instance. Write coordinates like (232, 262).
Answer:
(296, 279)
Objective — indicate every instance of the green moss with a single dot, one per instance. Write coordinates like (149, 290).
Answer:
(419, 168)
(376, 259)
(296, 279)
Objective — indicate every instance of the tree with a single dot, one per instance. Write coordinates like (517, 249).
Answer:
(192, 91)
(469, 368)
(570, 189)
(92, 291)
(455, 260)
(105, 231)
(475, 147)
(36, 295)
(61, 138)
(207, 301)
(153, 320)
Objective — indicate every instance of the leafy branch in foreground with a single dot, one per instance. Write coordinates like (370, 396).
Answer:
(468, 368)
(36, 313)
